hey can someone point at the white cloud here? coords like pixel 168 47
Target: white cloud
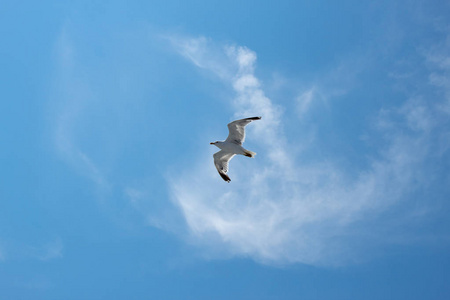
pixel 281 209
pixel 196 50
pixel 306 99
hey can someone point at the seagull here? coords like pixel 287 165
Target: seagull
pixel 232 146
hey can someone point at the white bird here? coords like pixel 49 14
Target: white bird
pixel 232 146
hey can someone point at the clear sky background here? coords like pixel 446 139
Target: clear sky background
pixel 107 184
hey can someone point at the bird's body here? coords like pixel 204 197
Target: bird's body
pixel 232 146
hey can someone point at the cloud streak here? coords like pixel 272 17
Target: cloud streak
pixel 47 251
pixel 282 209
pixel 71 97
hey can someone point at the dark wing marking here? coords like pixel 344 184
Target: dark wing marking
pixel 225 176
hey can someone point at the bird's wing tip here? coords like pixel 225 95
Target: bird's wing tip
pixel 225 176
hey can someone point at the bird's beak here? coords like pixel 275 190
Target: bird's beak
pixel 211 143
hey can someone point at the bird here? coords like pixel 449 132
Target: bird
pixel 232 146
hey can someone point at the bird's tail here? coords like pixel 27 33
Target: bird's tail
pixel 249 153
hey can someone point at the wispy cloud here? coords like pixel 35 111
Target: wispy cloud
pixel 306 99
pixel 70 99
pixel 198 52
pixel 282 209
pixel 36 283
pixel 44 251
pixel 48 251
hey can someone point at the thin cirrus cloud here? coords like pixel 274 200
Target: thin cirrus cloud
pixel 281 209
pixel 46 251
pixel 71 97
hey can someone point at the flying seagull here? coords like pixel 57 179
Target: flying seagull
pixel 232 146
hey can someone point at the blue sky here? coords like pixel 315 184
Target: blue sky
pixel 107 185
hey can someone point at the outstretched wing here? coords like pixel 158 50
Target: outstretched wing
pixel 237 131
pixel 221 160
